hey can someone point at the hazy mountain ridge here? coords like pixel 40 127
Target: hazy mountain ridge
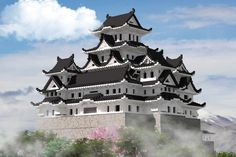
pixel 224 128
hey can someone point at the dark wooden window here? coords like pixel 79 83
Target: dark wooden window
pixel 76 111
pixel 129 36
pixel 72 95
pixel 107 91
pixel 153 91
pixel 168 109
pixel 71 111
pixel 137 108
pixel 53 112
pixel 152 74
pixel 117 108
pixel 145 92
pixel 102 58
pixel 174 110
pixel 120 36
pixel 79 94
pixel 144 75
pixel 185 96
pixel 90 110
pixel 126 90
pixel 119 90
pixel 133 91
pixel 129 108
pixel 108 108
pixel 115 37
pixel 114 91
pixel 137 38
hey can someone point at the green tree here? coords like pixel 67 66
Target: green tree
pixel 54 146
pixel 226 154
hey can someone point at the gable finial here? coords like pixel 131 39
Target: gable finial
pixel 107 16
pixel 133 10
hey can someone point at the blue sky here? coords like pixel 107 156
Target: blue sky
pixel 32 35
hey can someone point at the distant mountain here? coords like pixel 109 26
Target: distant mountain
pixel 224 128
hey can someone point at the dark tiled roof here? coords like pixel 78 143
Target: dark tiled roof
pixel 108 75
pixel 197 104
pixel 55 79
pixel 170 96
pixel 186 72
pixel 53 100
pixel 185 83
pixel 175 62
pixel 61 64
pixel 157 56
pixel 120 20
pixel 142 98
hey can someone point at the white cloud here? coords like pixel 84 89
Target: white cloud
pixel 46 20
pixel 201 16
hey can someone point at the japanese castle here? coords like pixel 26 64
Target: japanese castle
pixel 123 81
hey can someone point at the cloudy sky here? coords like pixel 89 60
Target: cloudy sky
pixel 34 32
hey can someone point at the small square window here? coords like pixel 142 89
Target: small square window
pixel 114 91
pixel 107 91
pixel 185 96
pixel 79 94
pixel 117 108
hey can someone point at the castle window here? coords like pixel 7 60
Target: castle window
pixel 76 111
pixel 168 109
pixel 51 93
pixel 108 108
pixel 129 108
pixel 79 94
pixel 174 110
pixel 92 64
pixel 133 91
pixel 55 93
pixel 144 75
pixel 127 56
pixel 133 37
pixel 114 61
pixel 165 89
pixel 47 113
pixel 185 112
pixel 169 89
pixel 145 92
pixel 129 36
pixel 53 112
pixel 190 112
pixel 137 108
pixel 72 95
pixel 132 57
pixel 71 111
pixel 119 90
pixel 107 91
pixel 153 91
pixel 102 58
pixel 90 110
pixel 117 108
pixel 114 91
pixel 137 38
pixel 120 36
pixel 152 74
pixel 126 90
pixel 185 96
pixel 115 37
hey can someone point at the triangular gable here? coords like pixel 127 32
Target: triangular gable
pixel 169 80
pixel 133 21
pixel 147 60
pixel 103 45
pixel 52 86
pixel 191 88
pixel 182 68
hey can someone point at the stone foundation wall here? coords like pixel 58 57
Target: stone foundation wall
pixel 74 127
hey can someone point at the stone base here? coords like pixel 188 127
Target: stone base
pixel 74 127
